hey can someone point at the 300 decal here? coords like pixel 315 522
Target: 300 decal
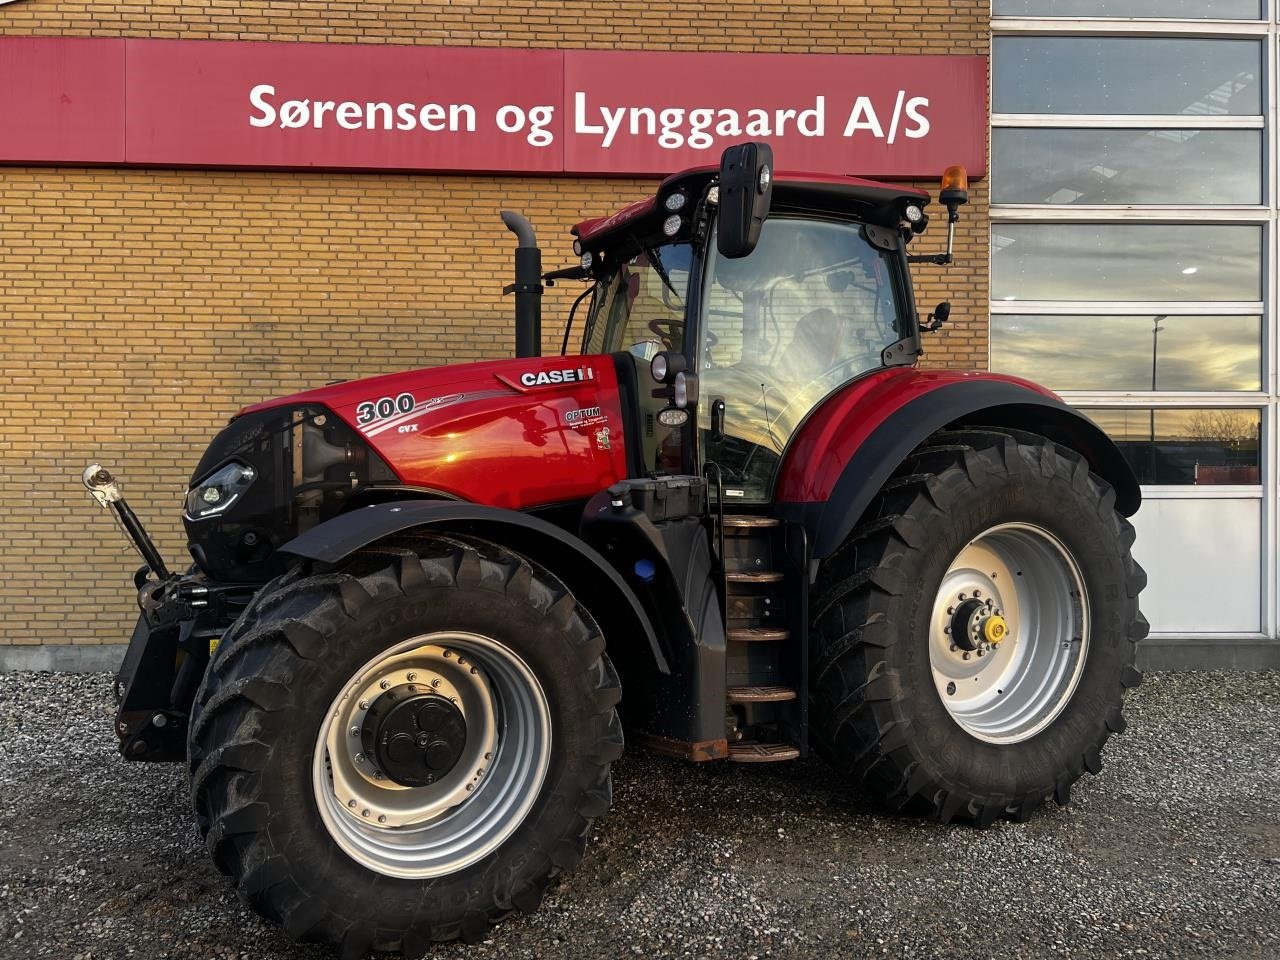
pixel 372 410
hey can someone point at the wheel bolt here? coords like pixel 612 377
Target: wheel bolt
pixel 947 631
pixel 951 688
pixel 382 819
pixel 365 813
pixel 351 804
pixel 364 704
pixel 977 593
pixel 359 758
pixel 951 611
pixel 411 677
pixel 435 682
pixel 966 654
pixel 962 596
pixel 448 654
pixel 355 731
pixel 488 756
pixel 471 786
pixel 954 648
pixel 383 684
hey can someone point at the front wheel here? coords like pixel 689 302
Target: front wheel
pixel 975 635
pixel 406 748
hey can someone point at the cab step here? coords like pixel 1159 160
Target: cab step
pixel 758 634
pixel 748 522
pixel 752 576
pixel 759 694
pixel 747 751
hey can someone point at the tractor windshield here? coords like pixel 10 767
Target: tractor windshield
pixel 639 308
pixel 809 309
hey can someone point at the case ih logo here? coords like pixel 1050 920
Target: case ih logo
pixel 547 378
pixel 456 109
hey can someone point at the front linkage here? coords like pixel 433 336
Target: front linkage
pixel 182 617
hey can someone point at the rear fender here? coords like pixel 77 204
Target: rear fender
pixel 590 578
pixel 829 499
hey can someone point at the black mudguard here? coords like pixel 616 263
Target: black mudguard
pixel 609 598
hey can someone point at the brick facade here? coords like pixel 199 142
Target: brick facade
pixel 140 308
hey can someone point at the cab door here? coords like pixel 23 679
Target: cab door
pixel 811 308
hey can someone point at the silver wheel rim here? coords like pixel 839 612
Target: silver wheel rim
pixel 1011 689
pixel 431 831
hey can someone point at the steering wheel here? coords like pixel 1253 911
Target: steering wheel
pixel 666 330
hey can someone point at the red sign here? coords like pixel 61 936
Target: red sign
pixel 61 100
pixel 467 109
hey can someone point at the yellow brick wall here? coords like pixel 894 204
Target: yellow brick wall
pixel 141 308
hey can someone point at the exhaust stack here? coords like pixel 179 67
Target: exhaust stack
pixel 528 285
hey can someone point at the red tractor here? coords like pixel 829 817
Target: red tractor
pixel 739 523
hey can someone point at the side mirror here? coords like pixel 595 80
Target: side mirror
pixel 939 316
pixel 746 189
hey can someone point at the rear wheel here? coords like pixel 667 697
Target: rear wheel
pixel 975 635
pixel 406 748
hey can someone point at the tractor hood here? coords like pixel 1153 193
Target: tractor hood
pixel 516 433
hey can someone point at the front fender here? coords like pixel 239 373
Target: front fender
pixel 587 574
pixel 851 445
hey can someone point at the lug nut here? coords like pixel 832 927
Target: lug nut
pixel 365 813
pixel 977 593
pixel 954 648
pixel 966 654
pixel 364 704
pixel 359 758
pixel 411 677
pixel 355 731
pixel 383 684
pixel 351 804
pixel 382 818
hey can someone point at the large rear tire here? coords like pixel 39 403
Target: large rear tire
pixel 974 637
pixel 406 748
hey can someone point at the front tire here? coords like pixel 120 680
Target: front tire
pixel 974 637
pixel 405 748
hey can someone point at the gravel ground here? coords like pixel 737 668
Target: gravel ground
pixel 1173 851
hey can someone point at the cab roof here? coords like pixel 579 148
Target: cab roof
pixel 823 193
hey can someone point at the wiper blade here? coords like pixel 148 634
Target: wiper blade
pixel 655 261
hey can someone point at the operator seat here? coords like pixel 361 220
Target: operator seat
pixel 818 342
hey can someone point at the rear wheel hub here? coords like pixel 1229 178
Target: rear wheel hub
pixel 415 737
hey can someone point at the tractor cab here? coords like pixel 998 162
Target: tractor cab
pixel 747 319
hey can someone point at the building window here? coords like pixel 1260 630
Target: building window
pixel 1132 264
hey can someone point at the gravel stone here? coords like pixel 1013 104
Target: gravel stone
pixel 1173 851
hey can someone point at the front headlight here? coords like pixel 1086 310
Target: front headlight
pixel 216 492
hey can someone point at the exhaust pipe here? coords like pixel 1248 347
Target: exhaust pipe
pixel 528 285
